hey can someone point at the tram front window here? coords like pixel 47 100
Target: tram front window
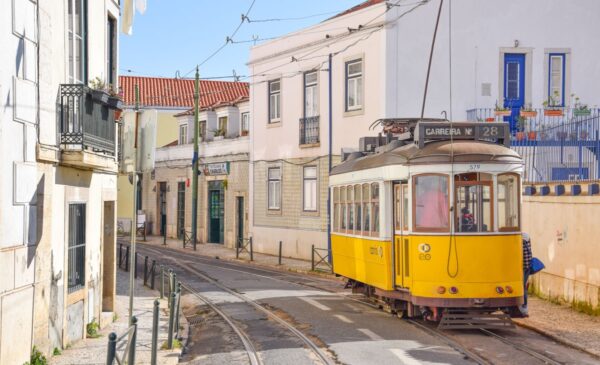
pixel 473 202
pixel 431 203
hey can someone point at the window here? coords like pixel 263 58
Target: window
pixel 111 51
pixel 358 208
pixel 202 131
pixel 473 202
pixel 556 79
pixel 77 32
pixel 274 101
pixel 311 95
pixel 336 209
pixel 310 189
pixel 343 215
pixel 354 85
pixel 183 133
pixel 508 202
pixel 245 123
pixel 430 196
pixel 222 131
pixel 366 208
pixel 350 208
pixel 76 273
pixel 274 188
pixel 375 209
pixel 401 212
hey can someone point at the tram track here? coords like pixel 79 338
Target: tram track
pixel 249 347
pixel 448 339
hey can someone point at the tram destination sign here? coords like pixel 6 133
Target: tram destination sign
pixel 442 131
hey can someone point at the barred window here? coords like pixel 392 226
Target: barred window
pixel 76 273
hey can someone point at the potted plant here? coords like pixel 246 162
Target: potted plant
pixel 580 109
pixel 521 124
pixel 552 107
pixel 500 111
pixel 219 134
pixel 244 133
pixel 527 112
pixel 98 90
pixel 114 99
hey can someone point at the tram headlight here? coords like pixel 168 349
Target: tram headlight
pixel 441 290
pixel 509 289
pixel 453 290
pixel 499 290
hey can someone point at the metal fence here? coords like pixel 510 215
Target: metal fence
pixel 86 122
pixel 309 130
pixel 556 145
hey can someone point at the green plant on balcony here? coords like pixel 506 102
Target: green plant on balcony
pixel 501 111
pixel 104 93
pixel 579 109
pixel 552 106
pixel 527 111
pixel 219 132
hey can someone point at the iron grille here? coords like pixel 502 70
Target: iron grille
pixel 309 130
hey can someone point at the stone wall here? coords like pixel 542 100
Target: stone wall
pixel 564 232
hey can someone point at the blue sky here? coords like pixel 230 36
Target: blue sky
pixel 175 35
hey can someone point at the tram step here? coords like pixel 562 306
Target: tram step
pixel 472 319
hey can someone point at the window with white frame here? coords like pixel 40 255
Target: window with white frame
pixel 274 101
pixel 309 191
pixel 183 133
pixel 556 79
pixel 274 188
pixel 111 51
pixel 222 130
pixel 354 85
pixel 77 33
pixel 245 123
pixel 311 94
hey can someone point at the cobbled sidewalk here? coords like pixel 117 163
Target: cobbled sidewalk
pixel 93 350
pixel 559 322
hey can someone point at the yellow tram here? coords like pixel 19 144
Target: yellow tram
pixel 431 220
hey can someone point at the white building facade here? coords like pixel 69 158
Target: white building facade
pixel 503 53
pixel 58 186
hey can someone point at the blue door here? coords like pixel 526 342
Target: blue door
pixel 514 86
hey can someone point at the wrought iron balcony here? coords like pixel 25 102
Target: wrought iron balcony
pixel 86 120
pixel 309 130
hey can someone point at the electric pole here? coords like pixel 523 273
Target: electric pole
pixel 195 161
pixel 135 203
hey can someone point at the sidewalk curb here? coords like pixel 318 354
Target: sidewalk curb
pixel 556 338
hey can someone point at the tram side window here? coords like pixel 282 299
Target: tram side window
pixel 343 215
pixel 366 202
pixel 508 202
pixel 358 208
pixel 350 196
pixel 405 207
pixel 473 202
pixel 430 195
pixel 336 209
pixel 375 208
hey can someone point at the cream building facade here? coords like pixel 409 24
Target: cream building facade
pixel 58 187
pixel 486 53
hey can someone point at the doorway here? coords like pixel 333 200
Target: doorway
pixel 514 87
pixel 180 208
pixel 401 239
pixel 162 208
pixel 240 219
pixel 108 254
pixel 216 211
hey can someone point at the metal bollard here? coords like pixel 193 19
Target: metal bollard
pixel 312 258
pixel 165 239
pixel 131 358
pixel 162 282
pixel 171 324
pixel 154 347
pixel 145 270
pixel 280 243
pixel 153 271
pixel 177 309
pixel 112 348
pixel 251 250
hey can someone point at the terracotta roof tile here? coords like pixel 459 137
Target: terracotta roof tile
pixel 179 93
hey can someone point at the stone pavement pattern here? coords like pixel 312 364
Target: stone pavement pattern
pixel 93 350
pixel 560 322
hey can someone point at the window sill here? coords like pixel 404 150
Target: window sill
pixel 310 145
pixel 352 113
pixel 76 296
pixel 274 212
pixel 274 124
pixel 310 213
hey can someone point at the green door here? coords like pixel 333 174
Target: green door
pixel 216 212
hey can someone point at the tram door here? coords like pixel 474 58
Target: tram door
pixel 401 211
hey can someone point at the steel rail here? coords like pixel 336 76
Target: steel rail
pixel 248 345
pixel 522 348
pixel 311 345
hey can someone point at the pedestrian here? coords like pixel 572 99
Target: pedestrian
pixel 527 256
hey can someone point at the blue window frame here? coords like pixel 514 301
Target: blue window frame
pixel 556 79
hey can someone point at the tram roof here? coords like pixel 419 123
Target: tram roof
pixel 442 152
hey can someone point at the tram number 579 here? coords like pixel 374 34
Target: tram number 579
pixel 474 167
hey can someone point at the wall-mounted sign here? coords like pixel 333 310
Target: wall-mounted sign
pixel 435 131
pixel 219 168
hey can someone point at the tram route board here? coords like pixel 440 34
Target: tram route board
pixel 443 131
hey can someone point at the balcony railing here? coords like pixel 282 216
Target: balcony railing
pixel 86 122
pixel 309 130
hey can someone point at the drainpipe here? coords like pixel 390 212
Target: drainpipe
pixel 329 163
